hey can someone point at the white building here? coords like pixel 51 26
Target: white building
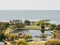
pixel 15 21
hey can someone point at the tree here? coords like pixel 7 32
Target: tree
pixel 42 28
pixel 3 25
pixel 28 37
pixel 2 36
pixel 27 22
pixel 18 26
pixel 52 26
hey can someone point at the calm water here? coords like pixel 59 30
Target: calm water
pixel 34 33
pixel 54 15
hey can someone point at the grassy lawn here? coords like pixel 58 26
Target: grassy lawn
pixel 36 43
pixel 33 27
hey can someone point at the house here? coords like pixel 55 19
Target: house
pixel 15 21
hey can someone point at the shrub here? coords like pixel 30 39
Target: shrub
pixel 43 36
pixel 57 27
pixel 21 42
pixel 2 36
pixel 11 36
pixel 28 36
pixel 53 42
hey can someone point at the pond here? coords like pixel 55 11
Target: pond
pixel 34 33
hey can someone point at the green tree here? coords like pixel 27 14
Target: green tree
pixel 42 28
pixel 52 26
pixel 2 36
pixel 27 22
pixel 28 36
pixel 18 26
pixel 3 25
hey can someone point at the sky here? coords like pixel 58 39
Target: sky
pixel 29 4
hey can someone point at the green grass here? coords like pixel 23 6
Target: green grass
pixel 36 43
pixel 33 27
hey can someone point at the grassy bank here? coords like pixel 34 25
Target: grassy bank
pixel 36 43
pixel 33 27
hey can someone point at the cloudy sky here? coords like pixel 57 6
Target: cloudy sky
pixel 29 4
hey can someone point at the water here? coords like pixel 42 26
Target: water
pixel 34 33
pixel 54 15
pixel 1 43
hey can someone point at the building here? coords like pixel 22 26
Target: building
pixel 15 21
